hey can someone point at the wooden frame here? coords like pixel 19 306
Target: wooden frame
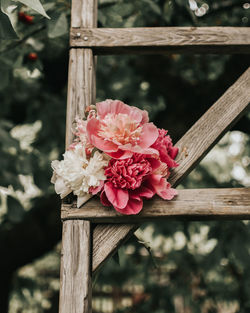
pixel 189 204
pixel 84 249
pixel 162 40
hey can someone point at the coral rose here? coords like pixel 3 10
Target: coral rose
pixel 121 130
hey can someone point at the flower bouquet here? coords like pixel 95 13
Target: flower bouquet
pixel 118 155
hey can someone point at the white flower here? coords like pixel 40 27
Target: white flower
pixel 75 173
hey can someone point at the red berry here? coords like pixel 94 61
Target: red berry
pixel 32 56
pixel 25 18
pixel 29 19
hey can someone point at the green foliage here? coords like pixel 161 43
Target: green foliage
pixel 6 29
pixel 34 5
pixel 192 265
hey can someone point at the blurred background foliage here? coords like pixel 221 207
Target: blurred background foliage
pixel 177 267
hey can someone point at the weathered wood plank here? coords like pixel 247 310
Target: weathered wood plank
pixel 81 75
pixel 81 87
pixel 189 204
pixel 194 145
pixel 209 129
pixel 75 291
pixel 84 13
pixel 113 236
pixel 162 39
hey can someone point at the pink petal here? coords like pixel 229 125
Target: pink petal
pixel 92 128
pixel 116 107
pixel 167 159
pixel 103 145
pixel 95 190
pixel 138 149
pixel 118 197
pixel 120 154
pixel 145 118
pixel 149 135
pixel 169 194
pixel 155 163
pixel 136 114
pixel 104 199
pixel 134 206
pixel 144 192
pixel 162 187
pixel 173 152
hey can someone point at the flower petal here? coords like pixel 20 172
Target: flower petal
pixel 117 106
pixel 145 118
pixel 95 190
pixel 162 187
pixel 134 206
pixel 155 163
pixel 137 149
pixel 60 187
pixel 144 192
pixel 173 152
pixel 166 158
pixel 81 200
pixel 92 128
pixel 118 197
pixel 149 135
pixel 120 154
pixel 104 199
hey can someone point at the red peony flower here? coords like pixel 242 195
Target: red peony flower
pixel 167 151
pixel 130 180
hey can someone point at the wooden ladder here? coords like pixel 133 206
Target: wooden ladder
pixel 84 247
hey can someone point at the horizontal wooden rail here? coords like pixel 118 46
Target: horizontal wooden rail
pixel 189 204
pixel 163 39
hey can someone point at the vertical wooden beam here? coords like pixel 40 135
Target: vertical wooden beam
pixel 81 77
pixel 76 291
pixel 75 295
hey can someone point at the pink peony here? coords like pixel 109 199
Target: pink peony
pixel 165 148
pixel 130 180
pixel 121 130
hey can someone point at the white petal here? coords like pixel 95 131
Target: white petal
pixel 54 164
pixel 53 178
pixel 61 188
pixel 83 199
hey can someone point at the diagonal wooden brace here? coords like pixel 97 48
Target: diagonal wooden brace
pixel 193 146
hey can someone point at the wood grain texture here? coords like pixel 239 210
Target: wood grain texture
pixel 81 74
pixel 84 13
pixel 162 39
pixel 76 259
pixel 81 87
pixel 194 145
pixel 75 291
pixel 113 236
pixel 209 129
pixel 189 204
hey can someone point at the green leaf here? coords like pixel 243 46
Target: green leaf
pixel 6 29
pixel 58 25
pixel 35 5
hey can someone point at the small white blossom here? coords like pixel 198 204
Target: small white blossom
pixel 75 173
